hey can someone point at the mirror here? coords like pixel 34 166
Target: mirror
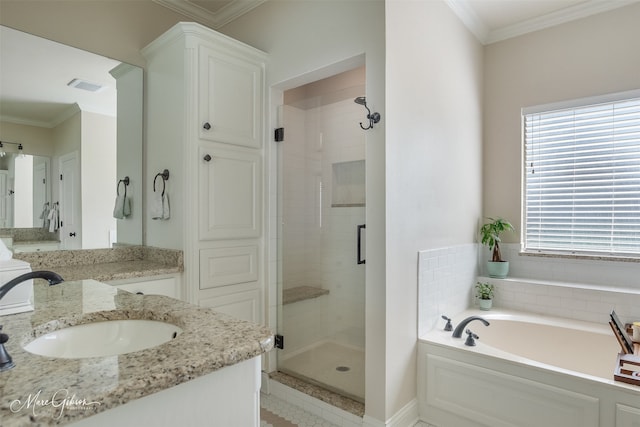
pixel 70 131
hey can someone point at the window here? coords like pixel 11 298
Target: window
pixel 582 177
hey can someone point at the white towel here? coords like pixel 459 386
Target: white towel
pixel 160 208
pixel 156 206
pixel 118 210
pixel 166 209
pixel 54 222
pixel 122 207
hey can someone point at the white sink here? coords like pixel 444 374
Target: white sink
pixel 100 339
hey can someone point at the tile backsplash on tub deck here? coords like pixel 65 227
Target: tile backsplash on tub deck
pixel 446 277
pixel 577 301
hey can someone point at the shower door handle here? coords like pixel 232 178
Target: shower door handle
pixel 360 228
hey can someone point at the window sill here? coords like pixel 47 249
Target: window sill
pixel 564 255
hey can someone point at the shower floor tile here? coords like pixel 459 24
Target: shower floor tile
pixel 330 364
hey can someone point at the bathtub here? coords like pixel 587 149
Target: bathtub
pixel 525 370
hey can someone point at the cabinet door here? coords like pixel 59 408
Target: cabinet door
pixel 243 305
pixel 230 193
pixel 230 98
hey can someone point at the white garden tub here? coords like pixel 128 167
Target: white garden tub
pixel 525 370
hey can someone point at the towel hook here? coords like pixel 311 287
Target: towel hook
pixel 126 183
pixel 165 176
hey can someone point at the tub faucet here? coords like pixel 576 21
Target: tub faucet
pixel 457 333
pixel 53 278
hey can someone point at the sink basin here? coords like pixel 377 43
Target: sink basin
pixel 100 339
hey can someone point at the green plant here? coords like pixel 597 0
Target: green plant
pixel 485 290
pixel 490 233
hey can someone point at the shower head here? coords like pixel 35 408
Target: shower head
pixel 361 100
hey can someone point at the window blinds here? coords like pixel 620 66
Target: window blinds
pixel 582 179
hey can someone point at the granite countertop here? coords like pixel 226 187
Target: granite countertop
pixel 209 341
pixel 106 264
pixel 115 270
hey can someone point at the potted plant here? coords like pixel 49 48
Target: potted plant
pixel 490 233
pixel 485 295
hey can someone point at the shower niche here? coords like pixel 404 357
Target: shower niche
pixel 348 184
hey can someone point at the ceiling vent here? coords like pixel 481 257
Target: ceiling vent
pixel 85 85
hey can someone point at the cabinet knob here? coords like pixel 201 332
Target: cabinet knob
pixel 73 234
pixel 206 126
pixel 207 158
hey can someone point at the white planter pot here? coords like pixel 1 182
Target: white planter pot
pixel 485 304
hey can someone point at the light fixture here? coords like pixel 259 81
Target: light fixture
pixel 373 117
pixel 4 153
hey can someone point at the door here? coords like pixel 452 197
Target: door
pixel 69 205
pixel 321 308
pixel 6 205
pixel 40 196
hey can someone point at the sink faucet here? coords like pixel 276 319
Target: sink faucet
pixel 53 278
pixel 457 333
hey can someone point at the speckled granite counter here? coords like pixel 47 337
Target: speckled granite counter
pixel 210 341
pixel 107 264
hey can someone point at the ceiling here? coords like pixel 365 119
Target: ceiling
pixel 34 73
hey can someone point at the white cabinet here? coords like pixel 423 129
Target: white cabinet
pixel 230 193
pixel 627 416
pixel 230 98
pixel 205 107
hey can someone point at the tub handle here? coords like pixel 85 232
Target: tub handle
pixel 448 327
pixel 471 337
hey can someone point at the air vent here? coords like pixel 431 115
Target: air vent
pixel 85 85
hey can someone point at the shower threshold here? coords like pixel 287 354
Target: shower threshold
pixel 320 392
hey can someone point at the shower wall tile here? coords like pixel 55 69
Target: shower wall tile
pixel 446 277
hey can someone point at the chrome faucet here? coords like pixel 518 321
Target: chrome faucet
pixel 457 333
pixel 53 278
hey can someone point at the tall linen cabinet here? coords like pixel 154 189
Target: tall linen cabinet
pixel 205 106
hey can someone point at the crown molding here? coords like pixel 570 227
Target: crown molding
pixel 214 20
pixel 468 17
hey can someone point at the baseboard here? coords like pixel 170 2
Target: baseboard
pixel 405 417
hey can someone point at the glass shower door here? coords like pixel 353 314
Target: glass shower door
pixel 322 216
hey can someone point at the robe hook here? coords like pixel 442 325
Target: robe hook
pixel 372 117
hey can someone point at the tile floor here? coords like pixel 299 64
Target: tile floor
pixel 275 412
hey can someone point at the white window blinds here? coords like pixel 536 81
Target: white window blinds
pixel 582 179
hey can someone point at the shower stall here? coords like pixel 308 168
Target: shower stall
pixel 322 231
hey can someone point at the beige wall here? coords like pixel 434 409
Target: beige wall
pixel 592 56
pixel 35 140
pixel 116 29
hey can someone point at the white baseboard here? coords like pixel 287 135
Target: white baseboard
pixel 405 417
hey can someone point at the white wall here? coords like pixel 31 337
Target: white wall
pixel 129 81
pixel 303 39
pixel 587 57
pixel 97 179
pixel 433 166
